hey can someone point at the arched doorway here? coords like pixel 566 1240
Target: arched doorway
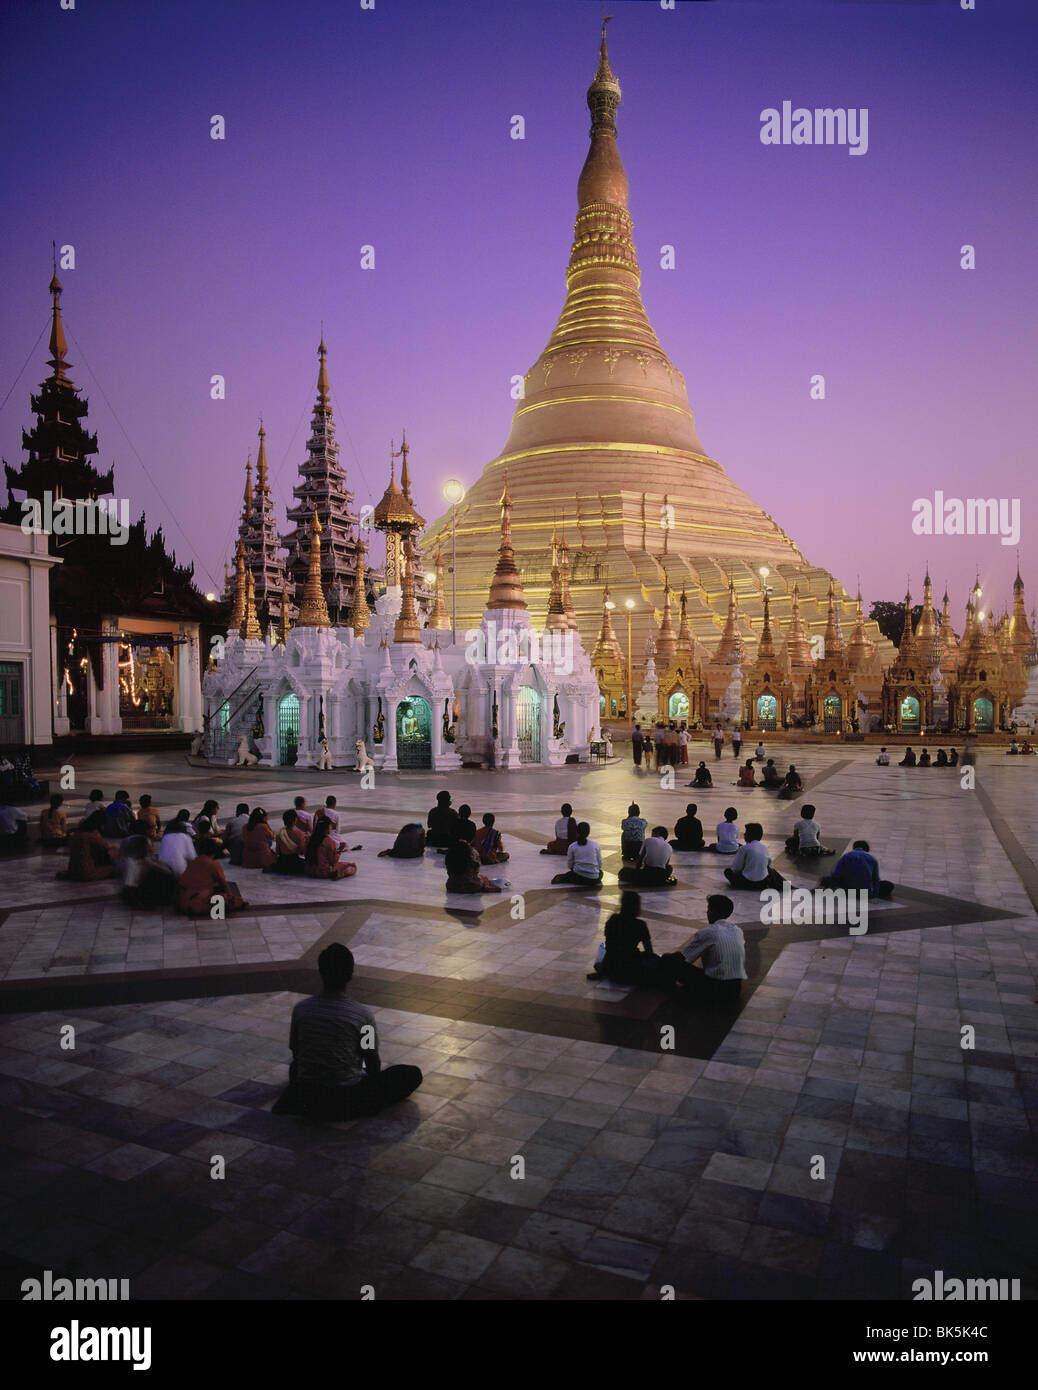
pixel 677 708
pixel 528 724
pixel 767 712
pixel 983 715
pixel 288 730
pixel 910 713
pixel 413 733
pixel 832 714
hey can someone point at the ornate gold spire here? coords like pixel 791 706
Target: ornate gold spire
pixel 58 346
pixel 730 649
pixel 567 598
pixel 246 502
pixel 798 647
pixel 407 629
pixel 506 590
pixel 285 629
pixel 833 631
pixel 603 179
pixel 324 406
pixel 261 467
pixel 926 628
pixel 237 621
pixel 360 614
pixel 607 649
pixel 313 611
pixel 250 628
pixel 906 647
pixel 405 476
pixel 859 648
pixel 1019 628
pixel 556 620
pixel 684 654
pixel 439 618
pixel 766 645
pixel 666 637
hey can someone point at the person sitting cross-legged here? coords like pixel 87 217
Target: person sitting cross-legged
pixel 688 832
pixel 771 778
pixel 258 850
pixel 90 856
pixel 792 784
pixel 747 775
pixel 924 758
pixel 442 823
pixel 146 882
pixel 884 758
pixel 304 820
pixel 632 832
pixel 722 949
pixel 654 869
pixel 858 869
pixel 703 776
pixel 176 848
pixel 290 843
pixel 336 1071
pixel 727 834
pixel 118 817
pixel 462 864
pixel 234 833
pixel 942 758
pixel 584 861
pixel 909 759
pixel 751 868
pixel 804 842
pixel 953 758
pixel 409 843
pixel 628 958
pixel 54 824
pixel 322 853
pixel 204 880
pixel 565 832
pixel 488 843
pixel 149 821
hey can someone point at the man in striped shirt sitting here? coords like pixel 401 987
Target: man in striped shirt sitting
pixel 336 1072
pixel 723 950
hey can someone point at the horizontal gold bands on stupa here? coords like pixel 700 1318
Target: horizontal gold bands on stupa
pixel 592 261
pixel 597 397
pixel 599 446
pixel 573 323
pixel 597 521
pixel 598 342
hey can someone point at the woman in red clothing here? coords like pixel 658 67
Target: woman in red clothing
pixel 488 843
pixel 258 842
pixel 204 879
pixel 322 854
pixel 291 846
pixel 91 857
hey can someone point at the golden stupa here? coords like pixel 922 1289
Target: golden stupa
pixel 603 448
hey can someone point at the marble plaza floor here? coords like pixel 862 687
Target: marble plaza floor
pixel 694 1165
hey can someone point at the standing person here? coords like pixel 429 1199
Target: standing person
pixel 203 879
pixel 859 869
pixel 322 854
pixel 53 823
pixel 727 834
pixel 636 745
pixel 654 868
pixel 672 745
pixel 584 860
pixel 718 737
pixel 722 949
pixel 683 737
pixel 258 842
pixel 565 832
pixel 751 868
pixel 629 958
pixel 488 843
pixel 648 748
pixel 234 833
pixel 658 735
pixel 736 740
pixel 632 832
pixel 688 832
pixel 336 1071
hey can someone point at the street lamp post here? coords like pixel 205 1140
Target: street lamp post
pixel 629 605
pixel 454 491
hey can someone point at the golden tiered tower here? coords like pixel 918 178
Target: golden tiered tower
pixel 605 406
pixel 313 610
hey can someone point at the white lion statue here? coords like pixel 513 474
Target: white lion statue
pixel 363 761
pixel 245 758
pixel 324 762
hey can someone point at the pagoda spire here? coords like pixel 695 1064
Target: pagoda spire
pixel 58 346
pixel 405 476
pixel 262 488
pixel 833 631
pixel 323 406
pixel 407 628
pixel 926 628
pixel 905 647
pixel 684 655
pixel 730 650
pixel 556 620
pixel 766 645
pixel 506 589
pixel 237 621
pixel 1020 634
pixel 567 598
pixel 439 618
pixel 860 648
pixel 360 614
pixel 666 637
pixel 246 502
pixel 798 646
pixel 313 610
pixel 607 648
pixel 285 628
pixel 250 628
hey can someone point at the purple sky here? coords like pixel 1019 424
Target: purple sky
pixel 391 127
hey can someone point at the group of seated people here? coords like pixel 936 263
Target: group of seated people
pixel 942 759
pixel 772 780
pixel 1022 748
pixel 466 849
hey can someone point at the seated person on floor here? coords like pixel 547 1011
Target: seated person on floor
pixel 583 860
pixel 466 826
pixel 290 843
pixel 146 883
pixel 442 822
pixel 727 834
pixel 462 864
pixel 909 759
pixel 54 823
pixel 118 817
pixel 924 758
pixel 859 869
pixel 149 822
pixel 304 820
pixel 409 843
pixel 234 833
pixel 330 813
pixel 181 824
pixel 654 868
pixel 628 957
pixel 747 775
pixel 760 752
pixel 953 758
pixel 702 777
pixel 1013 748
pixel 176 848
pixel 688 833
pixel 322 854
pixel 258 842
pixel 771 777
pixel 632 832
pixel 721 947
pixel 336 1071
pixel 884 758
pixel 204 879
pixel 206 824
pixel 90 855
pixel 565 832
pixel 804 841
pixel 751 868
pixel 792 784
pixel 488 843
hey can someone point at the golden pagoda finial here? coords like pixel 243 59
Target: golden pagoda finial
pixel 237 620
pixel 58 346
pixel 405 476
pixel 250 628
pixel 360 614
pixel 261 465
pixel 313 610
pixel 439 617
pixel 407 628
pixel 567 598
pixel 323 403
pixel 556 620
pixel 285 629
pixel 506 589
pixel 246 503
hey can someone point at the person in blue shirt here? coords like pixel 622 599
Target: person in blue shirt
pixel 859 869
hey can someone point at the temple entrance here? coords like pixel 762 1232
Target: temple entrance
pixel 910 714
pixel 413 734
pixel 12 703
pixel 288 731
pixel 767 712
pixel 832 714
pixel 677 707
pixel 528 724
pixel 983 715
